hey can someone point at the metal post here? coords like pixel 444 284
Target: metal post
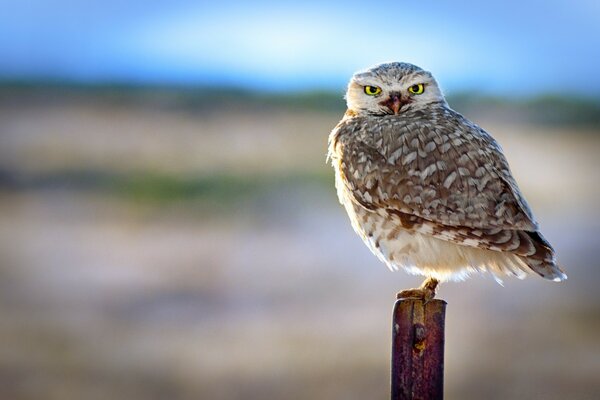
pixel 418 350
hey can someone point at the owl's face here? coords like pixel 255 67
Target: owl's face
pixel 391 89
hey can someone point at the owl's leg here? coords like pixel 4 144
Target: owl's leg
pixel 426 291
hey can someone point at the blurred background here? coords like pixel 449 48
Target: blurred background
pixel 169 228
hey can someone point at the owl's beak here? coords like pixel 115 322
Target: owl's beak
pixel 394 103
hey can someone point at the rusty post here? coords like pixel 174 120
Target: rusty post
pixel 418 350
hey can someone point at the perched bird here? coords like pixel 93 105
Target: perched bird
pixel 428 190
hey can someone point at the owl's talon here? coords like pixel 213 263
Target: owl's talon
pixel 417 294
pixel 426 292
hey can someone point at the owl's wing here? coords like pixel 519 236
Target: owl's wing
pixel 448 179
pixel 453 173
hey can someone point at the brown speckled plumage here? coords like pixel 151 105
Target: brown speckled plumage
pixel 428 190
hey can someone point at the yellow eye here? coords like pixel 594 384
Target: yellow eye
pixel 372 90
pixel 417 89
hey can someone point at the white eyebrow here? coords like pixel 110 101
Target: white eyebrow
pixel 363 78
pixel 420 74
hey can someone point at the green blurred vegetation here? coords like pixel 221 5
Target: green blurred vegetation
pixel 223 190
pixel 220 189
pixel 185 98
pixel 546 109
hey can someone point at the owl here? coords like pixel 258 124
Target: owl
pixel 427 190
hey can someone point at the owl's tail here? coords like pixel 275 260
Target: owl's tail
pixel 543 261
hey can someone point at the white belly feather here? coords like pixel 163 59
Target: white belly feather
pixel 422 254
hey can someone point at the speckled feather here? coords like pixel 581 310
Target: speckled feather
pixel 431 192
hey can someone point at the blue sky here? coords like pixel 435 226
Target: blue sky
pixel 520 47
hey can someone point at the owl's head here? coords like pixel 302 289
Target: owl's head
pixel 392 88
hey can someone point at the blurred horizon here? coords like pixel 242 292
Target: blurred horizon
pixel 546 108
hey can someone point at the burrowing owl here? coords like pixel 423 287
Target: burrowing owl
pixel 428 190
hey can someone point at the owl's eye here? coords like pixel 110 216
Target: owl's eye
pixel 417 89
pixel 372 90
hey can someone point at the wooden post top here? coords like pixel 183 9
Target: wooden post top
pixel 418 349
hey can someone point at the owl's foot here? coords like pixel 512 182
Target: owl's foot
pixel 425 292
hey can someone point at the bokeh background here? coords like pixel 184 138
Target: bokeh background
pixel 169 227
